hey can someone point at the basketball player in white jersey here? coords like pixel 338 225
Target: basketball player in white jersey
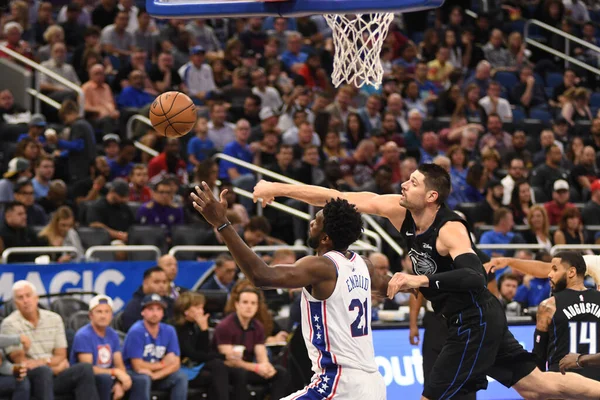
pixel 336 297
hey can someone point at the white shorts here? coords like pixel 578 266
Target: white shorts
pixel 351 384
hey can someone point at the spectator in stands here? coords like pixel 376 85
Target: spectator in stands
pixel 74 30
pixel 242 328
pixel 204 35
pixel 110 144
pixel 440 68
pixel 138 184
pixel 528 93
pixel 429 148
pixel 56 197
pixel 544 176
pixel 91 45
pixel 519 150
pixel 539 227
pixel 13 32
pixel 381 265
pixel 58 64
pixel 585 173
pixel 11 114
pixel 14 232
pixel 81 132
pixel 191 324
pixel 268 123
pixel 235 94
pixel 496 138
pixel 60 231
pixel 250 110
pixel 154 282
pixel 122 166
pixel 44 171
pixel 197 75
pixel 53 34
pixel 99 100
pixel 111 212
pixel 168 263
pixel 546 140
pixel 134 95
pixel 507 286
pixel 494 104
pixel 169 162
pixel 591 211
pixel 570 228
pixel 104 14
pixel 495 53
pixel 269 96
pixel 93 186
pixel 145 35
pixel 164 76
pixel 570 80
pixel 239 176
pixel 43 22
pixel 341 108
pixel 534 290
pixel 161 210
pixel 224 275
pixel 115 38
pixel 468 141
pixel 492 202
pixel 200 147
pixel 97 343
pixel 521 201
pixel 46 359
pixel 576 107
pixel 220 132
pixel 24 194
pixel 559 202
pixel 502 232
pixel 358 168
pixel 257 231
pixel 18 168
pixel 516 172
pixel 482 79
pixel 28 149
pixel 370 114
pixel 151 351
pixel 390 157
pixel 412 136
pixel 458 175
pixel 13 378
pixel 293 57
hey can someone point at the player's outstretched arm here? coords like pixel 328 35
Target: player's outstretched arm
pixel 578 361
pixel 306 271
pixel 538 269
pixel 387 206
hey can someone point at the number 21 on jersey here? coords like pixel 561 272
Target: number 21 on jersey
pixel 585 336
pixel 360 326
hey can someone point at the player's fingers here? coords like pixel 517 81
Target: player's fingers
pixel 222 195
pixel 197 206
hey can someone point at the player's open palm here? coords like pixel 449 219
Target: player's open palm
pixel 206 203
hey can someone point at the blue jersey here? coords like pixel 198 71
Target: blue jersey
pixel 139 343
pixel 120 171
pixel 101 348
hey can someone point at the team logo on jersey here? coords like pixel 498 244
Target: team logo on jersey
pixel 104 355
pixel 422 263
pixel 580 297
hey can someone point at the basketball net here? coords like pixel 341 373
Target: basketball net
pixel 358 40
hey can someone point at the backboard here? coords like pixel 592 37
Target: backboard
pixel 285 8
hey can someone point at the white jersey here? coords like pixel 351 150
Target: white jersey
pixel 337 331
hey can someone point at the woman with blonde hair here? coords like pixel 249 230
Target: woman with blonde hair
pixel 273 332
pixel 53 34
pixel 204 366
pixel 539 227
pixel 60 232
pixel 577 107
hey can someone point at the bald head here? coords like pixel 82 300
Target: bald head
pixel 380 262
pixel 168 263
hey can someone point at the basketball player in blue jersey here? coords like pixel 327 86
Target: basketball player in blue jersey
pixel 450 275
pixel 336 297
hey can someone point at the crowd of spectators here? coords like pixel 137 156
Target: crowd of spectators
pixel 517 130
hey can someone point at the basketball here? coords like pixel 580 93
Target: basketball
pixel 173 114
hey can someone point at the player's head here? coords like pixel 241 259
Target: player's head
pixel 429 184
pixel 567 267
pixel 335 227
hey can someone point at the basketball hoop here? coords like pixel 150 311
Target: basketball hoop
pixel 357 40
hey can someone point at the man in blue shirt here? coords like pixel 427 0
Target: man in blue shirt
pixel 134 95
pixel 151 351
pixel 293 57
pixel 122 166
pixel 503 224
pixel 98 344
pixel 160 210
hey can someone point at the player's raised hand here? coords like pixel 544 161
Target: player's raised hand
pixel 570 361
pixel 205 202
pixel 264 192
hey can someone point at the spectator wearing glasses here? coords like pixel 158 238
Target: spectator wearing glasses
pixel 24 194
pixel 160 210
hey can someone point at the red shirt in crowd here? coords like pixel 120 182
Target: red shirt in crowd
pixel 555 211
pixel 158 166
pixel 230 331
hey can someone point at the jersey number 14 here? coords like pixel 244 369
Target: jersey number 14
pixel 359 327
pixel 585 336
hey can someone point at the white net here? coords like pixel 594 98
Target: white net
pixel 357 40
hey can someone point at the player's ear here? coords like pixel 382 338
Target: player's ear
pixel 325 239
pixel 432 196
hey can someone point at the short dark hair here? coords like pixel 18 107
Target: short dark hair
pixel 284 146
pixel 573 259
pixel 12 205
pixel 342 223
pixel 152 270
pixel 248 290
pixel 257 100
pixel 222 259
pixel 126 142
pixel 259 223
pixel 438 179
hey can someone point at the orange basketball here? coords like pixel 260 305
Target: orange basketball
pixel 173 114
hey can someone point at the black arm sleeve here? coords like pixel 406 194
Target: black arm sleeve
pixel 468 275
pixel 540 349
pixel 484 258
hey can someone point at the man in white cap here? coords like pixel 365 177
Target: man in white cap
pixel 560 201
pixel 98 344
pixel 17 168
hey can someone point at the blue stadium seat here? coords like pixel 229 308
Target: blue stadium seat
pixel 517 26
pixel 542 115
pixel 549 92
pixel 553 79
pixel 417 37
pixel 595 100
pixel 506 79
pixel 518 114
